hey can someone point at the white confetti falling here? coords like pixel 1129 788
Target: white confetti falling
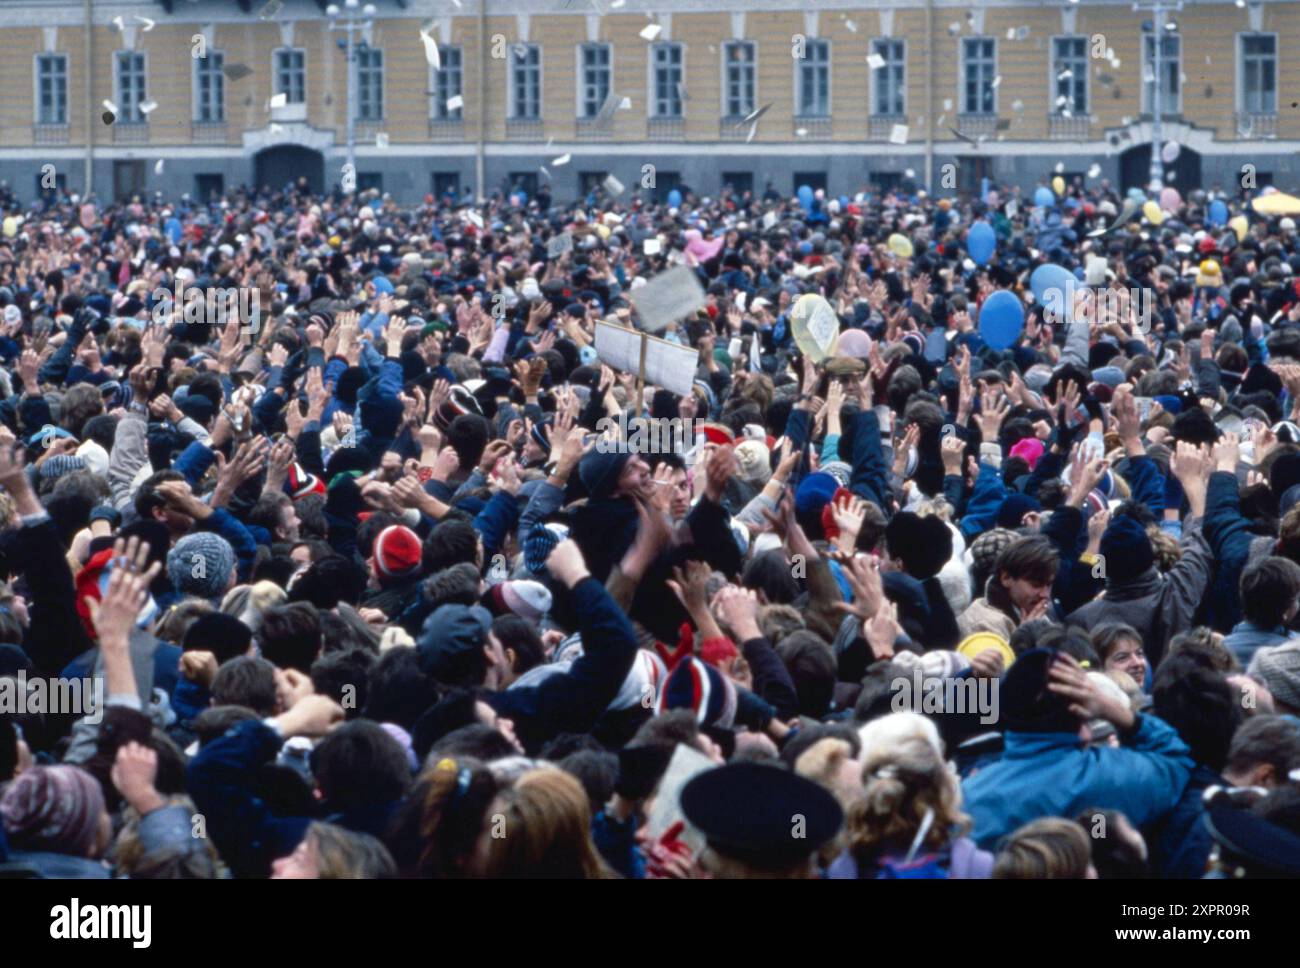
pixel 996 82
pixel 148 24
pixel 853 27
pixel 875 61
pixel 561 161
pixel 158 166
pixel 1060 167
pixel 651 31
pixel 109 106
pixel 1094 171
pixel 278 101
pixel 898 134
pixel 148 107
pixel 455 103
pixel 431 52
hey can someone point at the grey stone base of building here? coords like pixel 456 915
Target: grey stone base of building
pixel 408 177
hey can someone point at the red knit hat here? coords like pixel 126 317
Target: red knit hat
pixel 397 552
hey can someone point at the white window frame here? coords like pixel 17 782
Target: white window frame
pixel 437 103
pixel 874 81
pixel 118 97
pixel 1241 69
pixel 36 86
pixel 512 65
pixel 725 48
pixel 383 92
pixel 580 72
pixel 1055 68
pixel 275 73
pixel 1148 61
pixel 196 102
pixel 652 85
pixel 799 64
pixel 961 77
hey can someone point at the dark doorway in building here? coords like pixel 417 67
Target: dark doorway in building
pixel 128 179
pixel 1135 169
pixel 282 165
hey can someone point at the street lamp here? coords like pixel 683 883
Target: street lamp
pixel 1158 29
pixel 352 22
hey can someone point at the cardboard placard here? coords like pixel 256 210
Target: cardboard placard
pixel 668 297
pixel 667 365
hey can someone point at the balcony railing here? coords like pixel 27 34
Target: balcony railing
pixel 524 129
pixel 665 129
pixel 881 126
pixel 208 132
pixel 593 129
pixel 49 134
pixel 977 125
pixel 812 128
pixel 368 129
pixel 446 129
pixel 733 128
pixel 131 133
pixel 1074 128
pixel 1253 124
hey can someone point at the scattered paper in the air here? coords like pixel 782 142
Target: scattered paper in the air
pixel 278 101
pixel 898 135
pixel 381 140
pixel 875 61
pixel 668 297
pixel 431 53
pixel 613 185
pixel 455 102
pixel 270 10
pixel 148 24
pixel 561 161
pixel 148 107
pixel 1094 171
pixel 109 106
pixel 651 31
pixel 158 166
pixel 769 219
pixel 650 246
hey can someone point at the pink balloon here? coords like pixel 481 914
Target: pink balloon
pixel 1170 199
pixel 87 216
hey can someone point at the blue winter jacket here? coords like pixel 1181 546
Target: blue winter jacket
pixel 1054 775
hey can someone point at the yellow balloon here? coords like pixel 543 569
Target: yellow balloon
pixel 1238 225
pixel 1058 185
pixel 602 231
pixel 1152 212
pixel 901 246
pixel 10 227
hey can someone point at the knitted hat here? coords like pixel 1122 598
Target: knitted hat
pixel 396 552
pixel 1127 550
pixel 458 403
pixel 814 493
pixel 1279 669
pixel 300 482
pixel 699 687
pixel 61 464
pixel 599 471
pixel 530 600
pixel 838 469
pixel 55 808
pixel 754 461
pixel 539 544
pixel 1014 508
pixel 1030 449
pixel 200 564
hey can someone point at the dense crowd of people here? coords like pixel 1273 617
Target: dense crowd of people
pixel 367 586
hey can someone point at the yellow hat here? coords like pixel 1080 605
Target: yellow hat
pixel 978 642
pixel 335 241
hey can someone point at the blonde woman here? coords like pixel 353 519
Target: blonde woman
pixel 908 821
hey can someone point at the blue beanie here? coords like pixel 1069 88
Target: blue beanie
pixel 539 544
pixel 1127 551
pixel 200 564
pixel 1013 510
pixel 599 471
pixel 814 493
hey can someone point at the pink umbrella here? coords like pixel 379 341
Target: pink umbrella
pixel 699 248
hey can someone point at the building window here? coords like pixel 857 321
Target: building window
pixel 291 75
pixel 815 80
pixel 370 84
pixel 816 180
pixel 665 183
pixel 526 82
pixel 447 84
pixel 130 86
pixel 667 80
pixel 739 182
pixel 1171 88
pixel 370 181
pixel 52 89
pixel 523 181
pixel 446 184
pixel 889 77
pixel 738 67
pixel 594 77
pixel 208 187
pixel 1070 75
pixel 979 68
pixel 210 87
pixel 1259 73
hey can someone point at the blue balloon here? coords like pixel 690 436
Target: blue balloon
pixel 1218 214
pixel 173 229
pixel 674 199
pixel 844 201
pixel 981 242
pixel 1137 195
pixel 1044 197
pixel 805 194
pixel 1048 277
pixel 1002 320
